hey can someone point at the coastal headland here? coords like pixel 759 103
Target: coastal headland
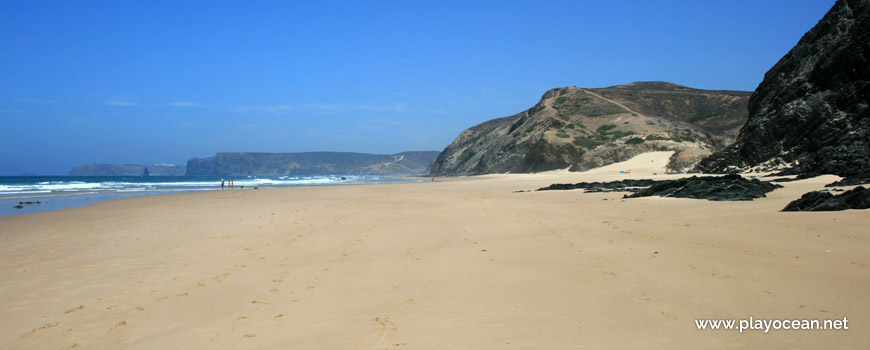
pixel 464 262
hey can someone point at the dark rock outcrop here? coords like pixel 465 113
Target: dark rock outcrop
pixel 311 163
pixel 725 188
pixel 810 113
pixel 581 129
pixel 856 198
pixel 862 178
pixel 129 170
pixel 629 185
pixel 715 188
pixel 796 178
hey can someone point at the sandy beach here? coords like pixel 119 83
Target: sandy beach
pixel 460 263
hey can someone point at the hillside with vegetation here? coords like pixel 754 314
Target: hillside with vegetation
pixel 579 129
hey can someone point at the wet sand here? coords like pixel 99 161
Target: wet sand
pixel 460 263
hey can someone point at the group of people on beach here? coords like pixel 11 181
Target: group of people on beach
pixel 227 183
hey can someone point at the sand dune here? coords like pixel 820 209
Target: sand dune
pixel 461 263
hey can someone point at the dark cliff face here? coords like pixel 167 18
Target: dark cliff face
pixel 810 113
pixel 580 129
pixel 311 163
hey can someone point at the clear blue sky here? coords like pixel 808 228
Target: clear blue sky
pixel 143 82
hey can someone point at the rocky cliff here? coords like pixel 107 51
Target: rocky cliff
pixel 810 113
pixel 128 170
pixel 311 163
pixel 581 128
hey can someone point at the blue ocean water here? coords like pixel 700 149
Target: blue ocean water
pixel 29 194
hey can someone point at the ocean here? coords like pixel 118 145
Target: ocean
pixel 30 194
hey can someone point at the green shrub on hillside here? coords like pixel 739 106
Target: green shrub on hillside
pixel 634 141
pixel 656 138
pixel 604 128
pixel 620 134
pixel 604 132
pixel 531 128
pixel 585 142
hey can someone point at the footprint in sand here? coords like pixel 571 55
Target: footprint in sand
pixel 117 325
pixel 386 324
pixel 75 309
pixel 44 327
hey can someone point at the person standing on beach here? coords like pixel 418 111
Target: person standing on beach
pixel 222 183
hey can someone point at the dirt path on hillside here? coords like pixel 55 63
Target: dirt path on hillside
pixel 613 102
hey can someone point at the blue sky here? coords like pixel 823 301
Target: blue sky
pixel 143 82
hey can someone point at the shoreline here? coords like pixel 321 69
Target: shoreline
pixel 447 264
pixel 83 198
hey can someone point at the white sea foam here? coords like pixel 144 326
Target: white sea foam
pixel 63 192
pixel 119 185
pixel 23 192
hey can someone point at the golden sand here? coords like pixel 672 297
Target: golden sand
pixel 460 263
